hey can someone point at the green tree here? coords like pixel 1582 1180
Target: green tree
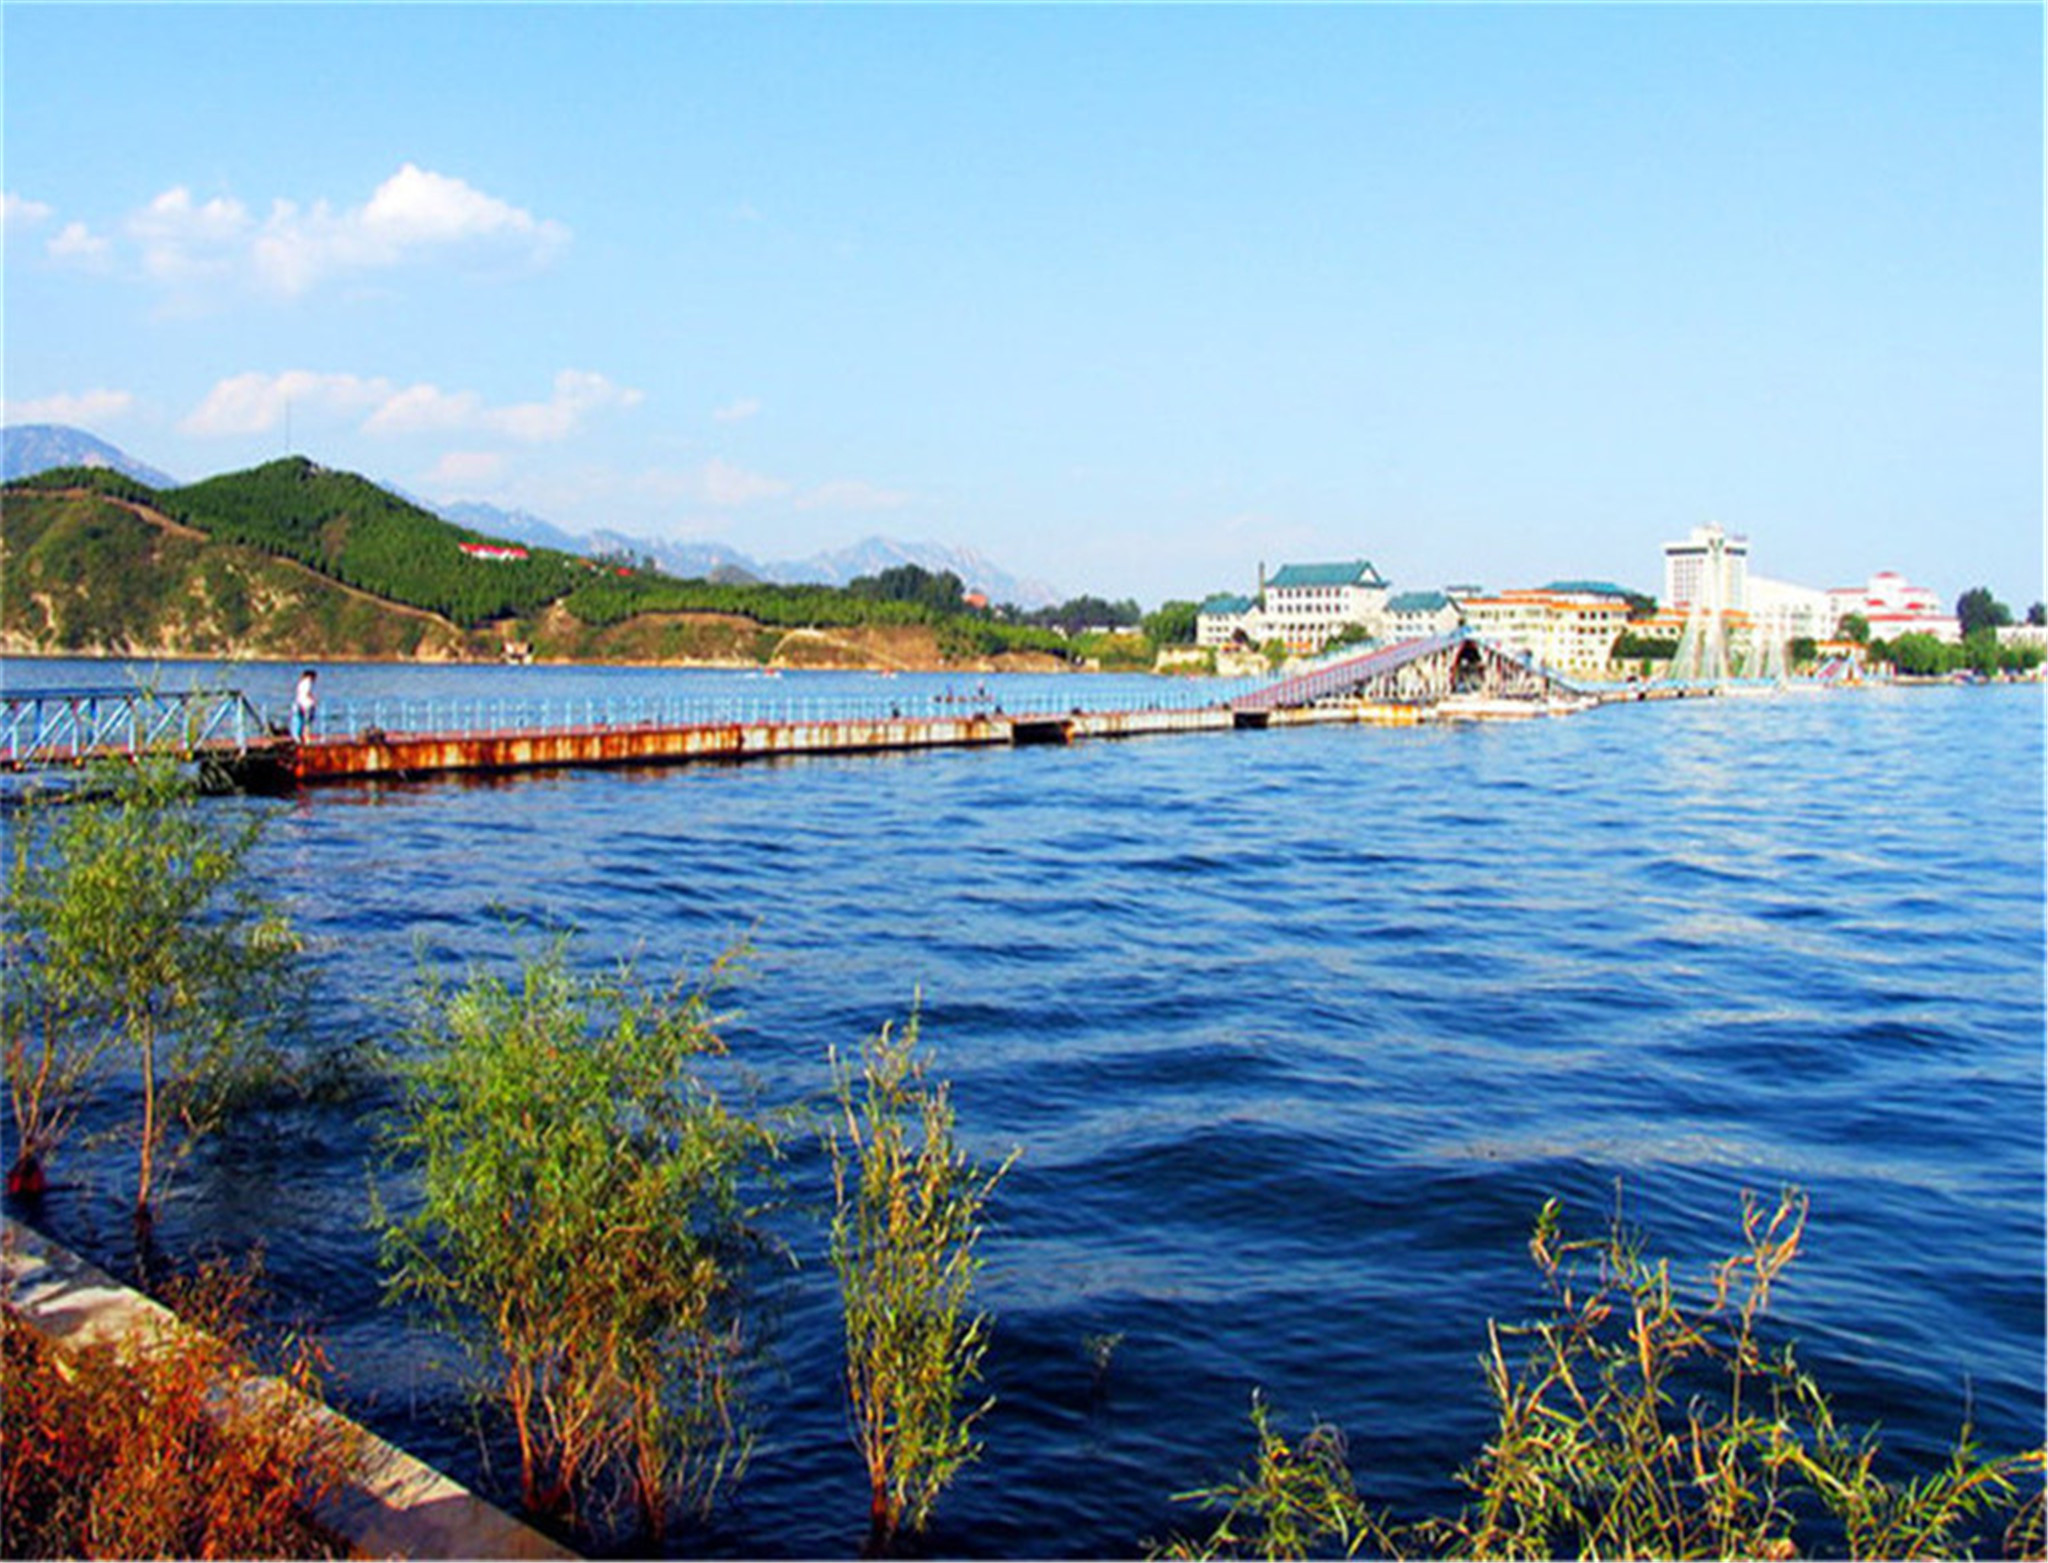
pixel 2037 614
pixel 1977 609
pixel 136 929
pixel 1173 624
pixel 52 1053
pixel 908 1216
pixel 1088 612
pixel 580 1225
pixel 1979 651
pixel 1856 627
pixel 1918 654
pixel 1349 635
pixel 942 592
pixel 1630 646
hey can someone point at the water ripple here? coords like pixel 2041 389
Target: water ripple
pixel 1295 1031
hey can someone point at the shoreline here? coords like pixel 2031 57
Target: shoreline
pixel 988 667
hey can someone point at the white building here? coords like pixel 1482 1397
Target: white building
pixel 1567 626
pixel 1709 568
pixel 1303 605
pixel 1418 615
pixel 1893 606
pixel 1306 605
pixel 2023 635
pixel 1225 619
pixel 1781 612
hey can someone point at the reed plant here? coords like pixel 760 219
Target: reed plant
pixel 171 1446
pixel 1639 1420
pixel 908 1210
pixel 1296 1500
pixel 580 1225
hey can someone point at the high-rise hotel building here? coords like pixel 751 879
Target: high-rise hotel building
pixel 1710 568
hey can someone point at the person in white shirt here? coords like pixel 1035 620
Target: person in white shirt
pixel 303 704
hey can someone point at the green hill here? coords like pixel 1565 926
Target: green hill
pixel 88 572
pixel 354 532
pixel 292 559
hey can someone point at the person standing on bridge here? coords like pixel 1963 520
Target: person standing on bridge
pixel 304 702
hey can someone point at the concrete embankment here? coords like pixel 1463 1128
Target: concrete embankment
pixel 395 1508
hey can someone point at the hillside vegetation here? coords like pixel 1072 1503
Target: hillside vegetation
pixel 85 574
pixel 349 529
pixel 293 560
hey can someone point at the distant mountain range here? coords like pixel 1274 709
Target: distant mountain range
pixel 38 447
pixel 30 448
pixel 720 561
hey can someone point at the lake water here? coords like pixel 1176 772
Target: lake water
pixel 1296 1031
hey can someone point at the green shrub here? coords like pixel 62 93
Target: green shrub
pixel 135 928
pixel 580 1226
pixel 908 1216
pixel 1637 1424
pixel 1296 1501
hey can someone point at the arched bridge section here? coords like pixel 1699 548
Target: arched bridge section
pixel 1427 672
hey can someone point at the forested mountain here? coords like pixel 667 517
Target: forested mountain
pixel 349 529
pixel 292 558
pixel 35 448
pixel 90 571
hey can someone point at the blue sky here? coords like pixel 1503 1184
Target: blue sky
pixel 1129 299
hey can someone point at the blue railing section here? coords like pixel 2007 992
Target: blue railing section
pixel 63 726
pixel 458 716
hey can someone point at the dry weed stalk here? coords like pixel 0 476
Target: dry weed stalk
pixel 169 1447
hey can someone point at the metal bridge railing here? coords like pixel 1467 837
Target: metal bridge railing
pixel 456 717
pixel 70 726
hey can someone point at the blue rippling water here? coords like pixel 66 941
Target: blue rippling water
pixel 1296 1031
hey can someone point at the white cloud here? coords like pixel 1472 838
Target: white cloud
pixel 85 408
pixel 427 409
pixel 78 245
pixel 417 207
pixel 737 412
pixel 253 403
pixel 466 469
pixel 852 494
pixel 726 485
pixel 413 215
pixel 578 394
pixel 184 241
pixel 19 212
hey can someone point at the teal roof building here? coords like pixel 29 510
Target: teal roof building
pixel 1352 572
